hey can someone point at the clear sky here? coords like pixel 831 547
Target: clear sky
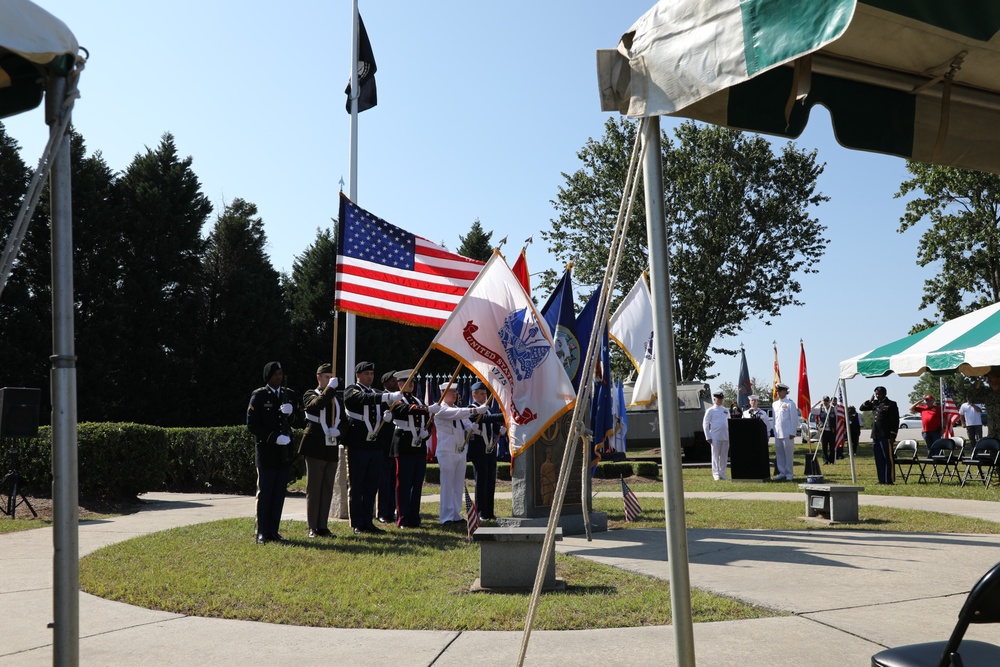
pixel 482 107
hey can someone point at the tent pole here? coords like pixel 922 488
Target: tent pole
pixel 65 482
pixel 666 378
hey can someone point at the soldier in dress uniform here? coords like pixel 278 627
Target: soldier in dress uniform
pixel 409 452
pixel 452 425
pixel 364 408
pixel 271 414
pixel 385 506
pixel 715 424
pixel 885 425
pixel 319 447
pixel 486 430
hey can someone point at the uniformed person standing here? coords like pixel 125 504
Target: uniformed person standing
pixel 271 415
pixel 716 427
pixel 363 406
pixel 885 425
pixel 385 507
pixel 786 425
pixel 320 447
pixel 486 430
pixel 409 452
pixel 452 425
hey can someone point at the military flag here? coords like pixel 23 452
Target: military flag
pixel 520 270
pixel 631 326
pixel 805 404
pixel 743 389
pixel 497 333
pixel 777 375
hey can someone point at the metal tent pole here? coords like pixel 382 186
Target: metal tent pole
pixel 65 486
pixel 666 378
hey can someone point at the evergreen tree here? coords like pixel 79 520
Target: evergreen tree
pixel 476 244
pixel 244 321
pixel 161 287
pixel 309 291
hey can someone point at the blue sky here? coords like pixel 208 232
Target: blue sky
pixel 482 107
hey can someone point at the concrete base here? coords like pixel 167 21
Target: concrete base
pixel 477 587
pixel 509 558
pixel 836 502
pixel 571 524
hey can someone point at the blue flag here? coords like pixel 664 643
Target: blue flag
pixel 560 314
pixel 602 414
pixel 743 390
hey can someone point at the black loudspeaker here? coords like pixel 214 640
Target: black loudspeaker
pixel 19 412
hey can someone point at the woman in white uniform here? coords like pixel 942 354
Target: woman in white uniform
pixel 453 425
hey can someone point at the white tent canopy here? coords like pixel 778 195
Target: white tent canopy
pixel 969 344
pixel 32 33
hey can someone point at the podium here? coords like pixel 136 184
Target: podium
pixel 748 450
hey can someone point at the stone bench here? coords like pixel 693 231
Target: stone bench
pixel 508 558
pixel 835 502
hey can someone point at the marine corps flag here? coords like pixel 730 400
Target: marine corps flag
pixel 805 403
pixel 497 333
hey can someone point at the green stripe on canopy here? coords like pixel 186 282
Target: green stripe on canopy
pixel 876 362
pixel 951 355
pixel 776 31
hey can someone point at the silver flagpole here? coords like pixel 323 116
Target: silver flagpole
pixel 350 333
pixel 666 380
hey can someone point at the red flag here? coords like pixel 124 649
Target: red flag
pixel 777 375
pixel 520 270
pixel 949 413
pixel 387 273
pixel 805 404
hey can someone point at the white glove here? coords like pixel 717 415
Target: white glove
pixel 392 396
pixel 424 434
pixel 481 409
pixel 434 408
pixel 286 409
pixel 334 432
pixel 503 430
pixel 387 416
pixel 282 440
pixel 334 383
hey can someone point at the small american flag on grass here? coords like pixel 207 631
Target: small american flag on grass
pixel 632 509
pixel 471 513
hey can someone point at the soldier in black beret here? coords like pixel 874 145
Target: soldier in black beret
pixel 272 413
pixel 320 448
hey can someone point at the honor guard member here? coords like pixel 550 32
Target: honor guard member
pixel 319 447
pixel 408 452
pixel 385 503
pixel 363 406
pixel 885 425
pixel 453 428
pixel 486 431
pixel 716 427
pixel 270 417
pixel 786 423
pixel 756 412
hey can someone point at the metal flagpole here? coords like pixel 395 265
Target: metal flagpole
pixel 65 480
pixel 350 329
pixel 666 380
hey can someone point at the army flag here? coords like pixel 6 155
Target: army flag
pixel 496 332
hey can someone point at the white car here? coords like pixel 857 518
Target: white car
pixel 910 421
pixel 807 431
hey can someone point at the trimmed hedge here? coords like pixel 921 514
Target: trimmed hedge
pixel 120 461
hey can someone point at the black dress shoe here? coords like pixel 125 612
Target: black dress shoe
pixel 383 520
pixel 359 531
pixel 277 538
pixel 324 532
pixel 262 539
pixel 374 529
pixel 313 533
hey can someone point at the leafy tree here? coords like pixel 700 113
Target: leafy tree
pixel 958 386
pixel 739 230
pixel 476 244
pixel 762 390
pixel 963 240
pixel 161 287
pixel 309 293
pixel 244 319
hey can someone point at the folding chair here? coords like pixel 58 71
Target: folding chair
pixel 940 458
pixel 984 455
pixel 982 606
pixel 905 454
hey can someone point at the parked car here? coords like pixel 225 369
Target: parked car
pixel 807 431
pixel 910 421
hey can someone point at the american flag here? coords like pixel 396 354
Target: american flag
pixel 471 513
pixel 841 436
pixel 949 413
pixel 387 273
pixel 632 509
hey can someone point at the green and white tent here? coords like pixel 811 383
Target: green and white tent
pixel 970 344
pixel 912 78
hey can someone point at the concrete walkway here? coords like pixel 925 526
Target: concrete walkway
pixel 847 593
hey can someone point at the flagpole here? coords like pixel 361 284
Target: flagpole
pixel 350 326
pixel 666 377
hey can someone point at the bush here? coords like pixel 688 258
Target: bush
pixel 120 461
pixel 649 469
